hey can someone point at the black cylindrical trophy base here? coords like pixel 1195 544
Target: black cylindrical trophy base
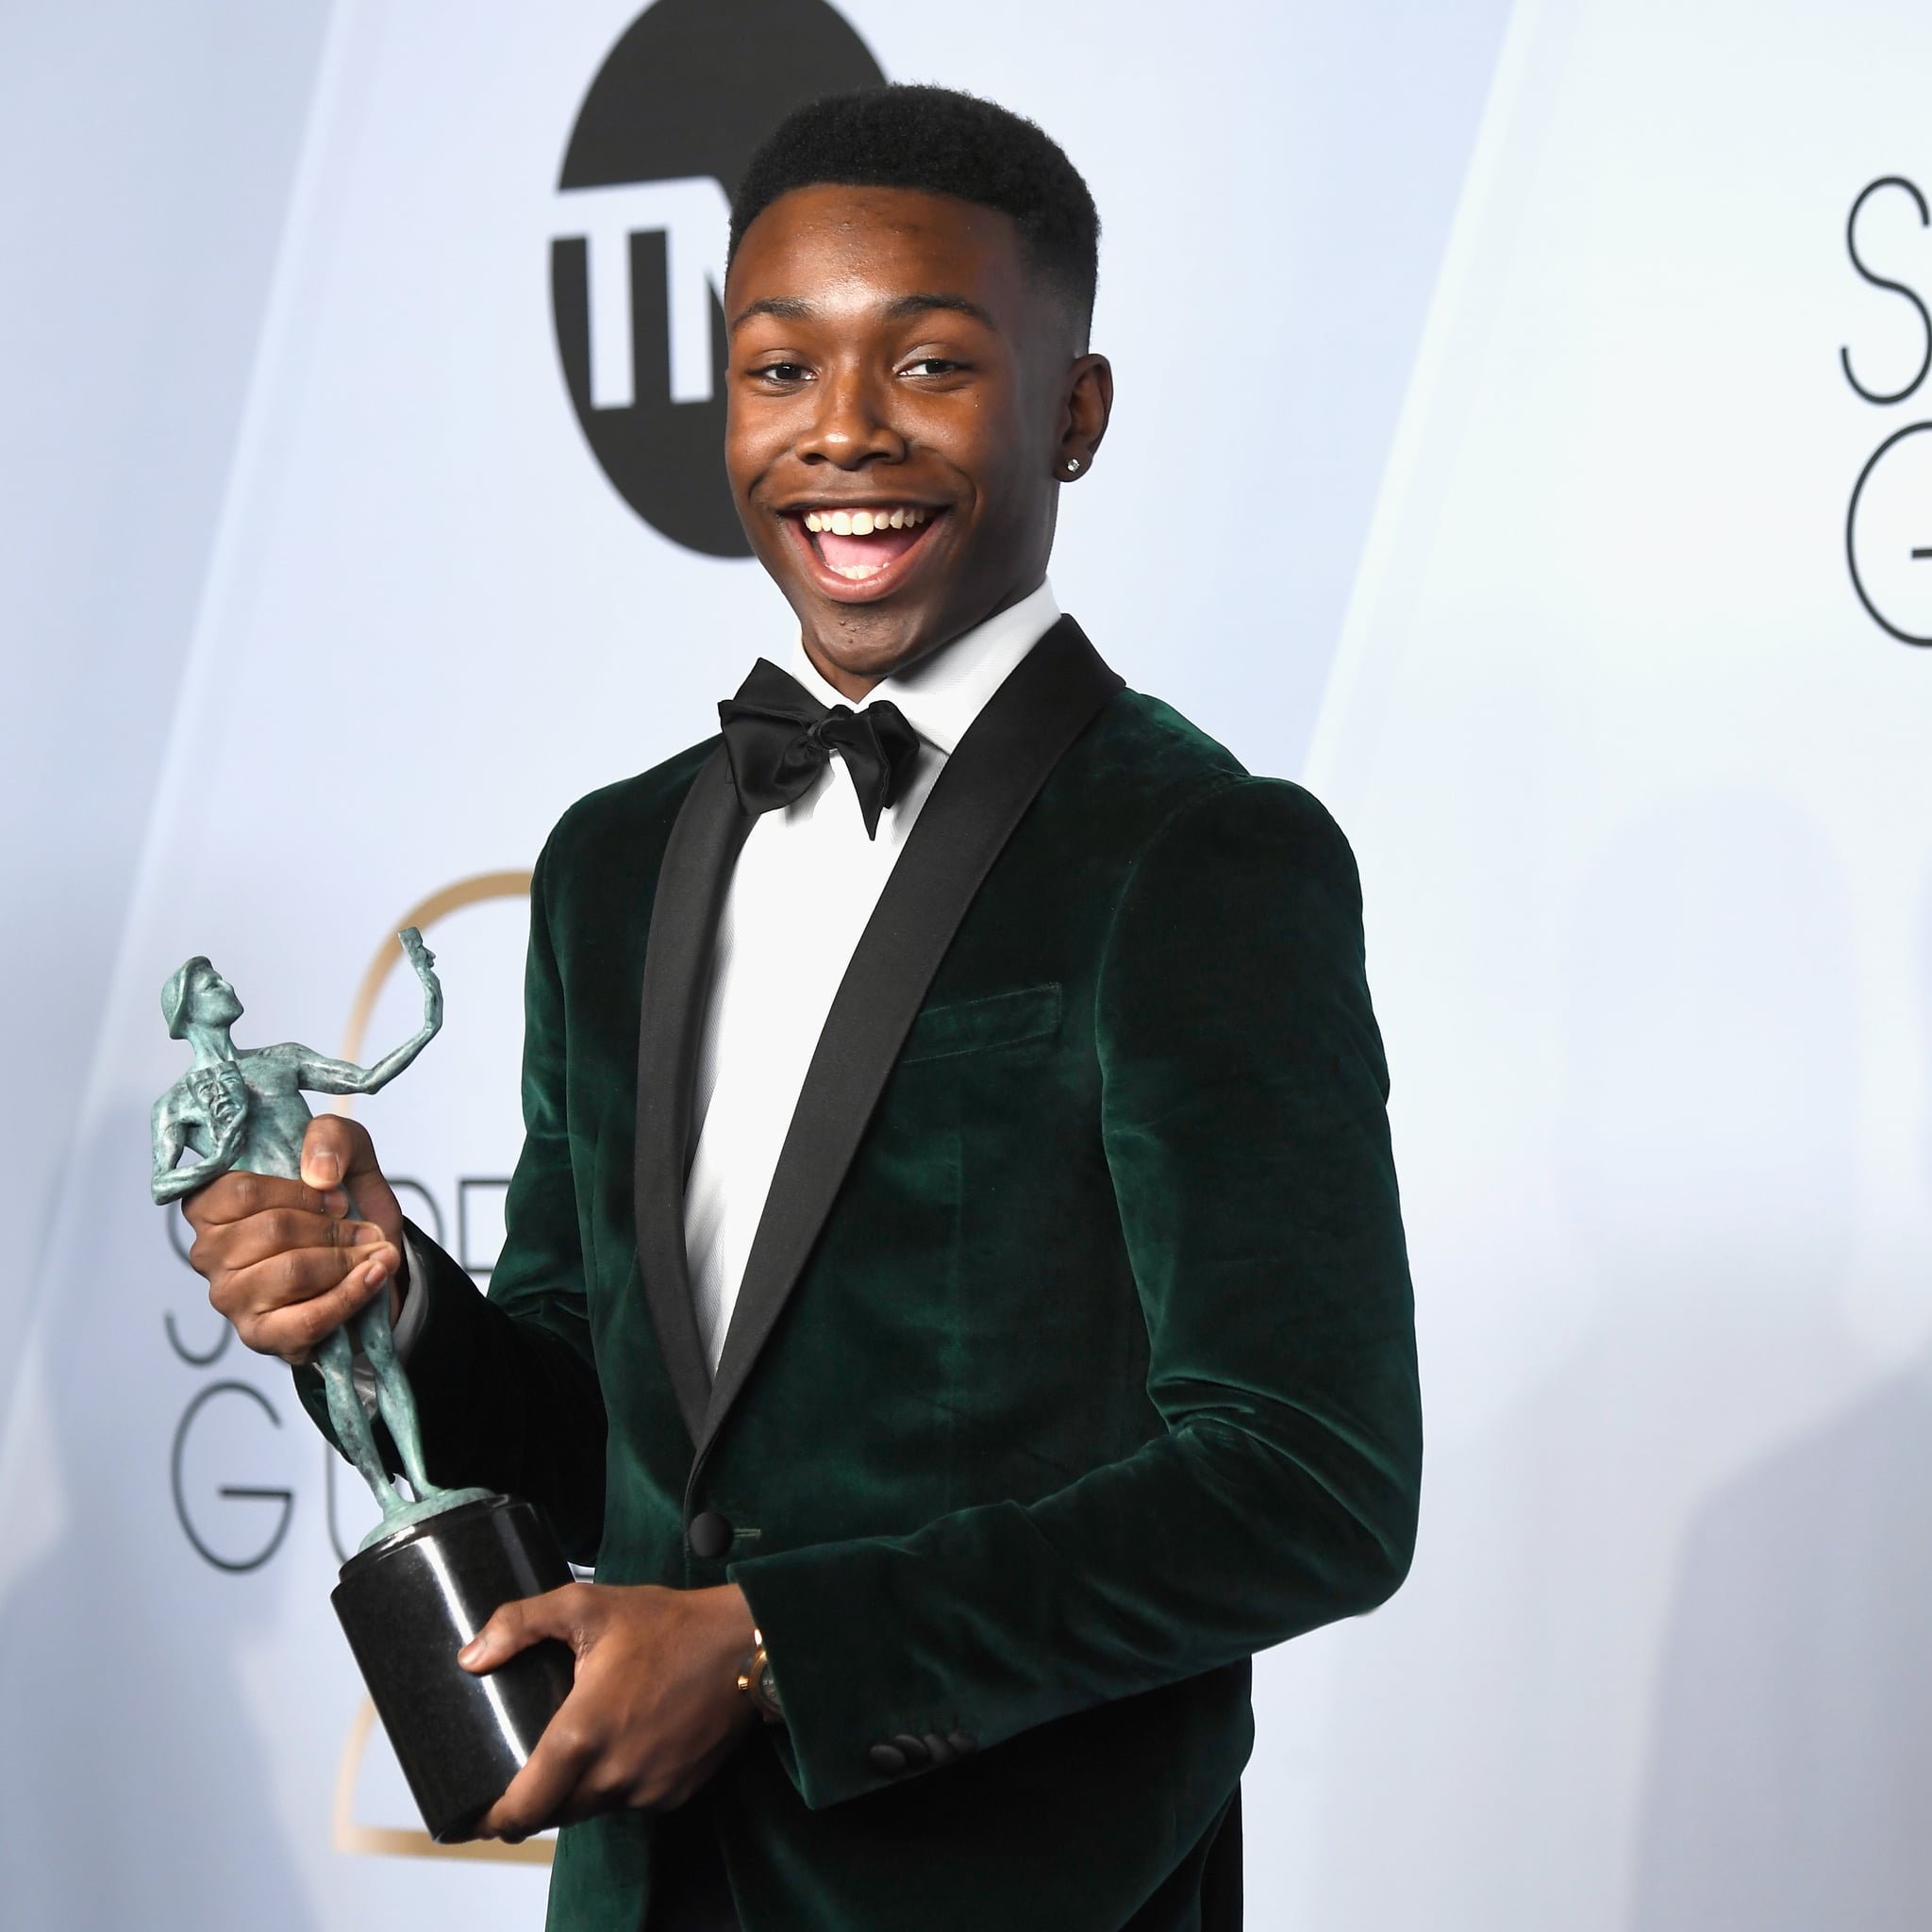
pixel 408 1605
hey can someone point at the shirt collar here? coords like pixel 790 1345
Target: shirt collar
pixel 946 691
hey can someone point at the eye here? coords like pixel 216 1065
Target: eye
pixel 931 365
pixel 781 373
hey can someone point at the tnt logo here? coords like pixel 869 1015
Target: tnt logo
pixel 637 265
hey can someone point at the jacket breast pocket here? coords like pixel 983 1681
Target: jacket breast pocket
pixel 1001 1019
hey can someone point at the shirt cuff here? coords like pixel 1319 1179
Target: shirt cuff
pixel 408 1326
pixel 416 1302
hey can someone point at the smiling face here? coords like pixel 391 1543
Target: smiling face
pixel 905 399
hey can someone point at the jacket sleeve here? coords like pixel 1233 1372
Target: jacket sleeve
pixel 1244 1121
pixel 506 1385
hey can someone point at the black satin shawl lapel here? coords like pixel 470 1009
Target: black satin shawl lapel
pixel 703 841
pixel 994 774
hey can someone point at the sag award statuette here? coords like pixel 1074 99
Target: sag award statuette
pixel 440 1561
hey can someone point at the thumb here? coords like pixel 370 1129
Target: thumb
pixel 529 1620
pixel 338 1154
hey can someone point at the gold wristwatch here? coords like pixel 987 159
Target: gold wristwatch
pixel 755 1680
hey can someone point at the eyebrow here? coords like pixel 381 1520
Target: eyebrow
pixel 786 307
pixel 796 309
pixel 909 305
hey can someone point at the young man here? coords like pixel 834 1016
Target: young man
pixel 955 1245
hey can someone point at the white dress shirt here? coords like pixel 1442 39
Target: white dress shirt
pixel 805 886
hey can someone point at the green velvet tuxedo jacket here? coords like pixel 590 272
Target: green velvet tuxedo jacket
pixel 1073 1362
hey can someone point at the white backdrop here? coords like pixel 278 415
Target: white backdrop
pixel 1484 455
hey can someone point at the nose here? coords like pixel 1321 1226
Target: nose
pixel 852 425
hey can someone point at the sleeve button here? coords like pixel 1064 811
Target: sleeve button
pixel 910 1749
pixel 963 1742
pixel 938 1748
pixel 886 1759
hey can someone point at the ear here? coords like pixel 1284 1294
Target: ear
pixel 1084 417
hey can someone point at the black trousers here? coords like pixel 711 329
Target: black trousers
pixel 696 1894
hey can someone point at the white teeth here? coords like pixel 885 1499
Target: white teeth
pixel 857 572
pixel 862 522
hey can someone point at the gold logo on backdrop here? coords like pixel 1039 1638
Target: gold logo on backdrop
pixel 470 892
pixel 394 1841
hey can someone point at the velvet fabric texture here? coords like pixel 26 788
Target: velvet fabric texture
pixel 1098 1376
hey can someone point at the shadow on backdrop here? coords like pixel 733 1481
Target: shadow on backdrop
pixel 117 1655
pixel 1792 1754
pixel 1793 1750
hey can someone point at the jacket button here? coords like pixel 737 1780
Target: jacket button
pixel 963 1742
pixel 884 1758
pixel 710 1534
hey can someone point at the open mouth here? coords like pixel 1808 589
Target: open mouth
pixel 869 546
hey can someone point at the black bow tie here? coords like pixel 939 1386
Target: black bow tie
pixel 778 738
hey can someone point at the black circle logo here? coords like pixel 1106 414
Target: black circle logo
pixel 636 267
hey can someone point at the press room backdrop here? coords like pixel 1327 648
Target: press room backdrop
pixel 1524 437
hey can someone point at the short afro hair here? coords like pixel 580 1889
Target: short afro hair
pixel 938 142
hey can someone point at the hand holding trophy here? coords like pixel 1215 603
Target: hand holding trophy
pixel 441 1560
